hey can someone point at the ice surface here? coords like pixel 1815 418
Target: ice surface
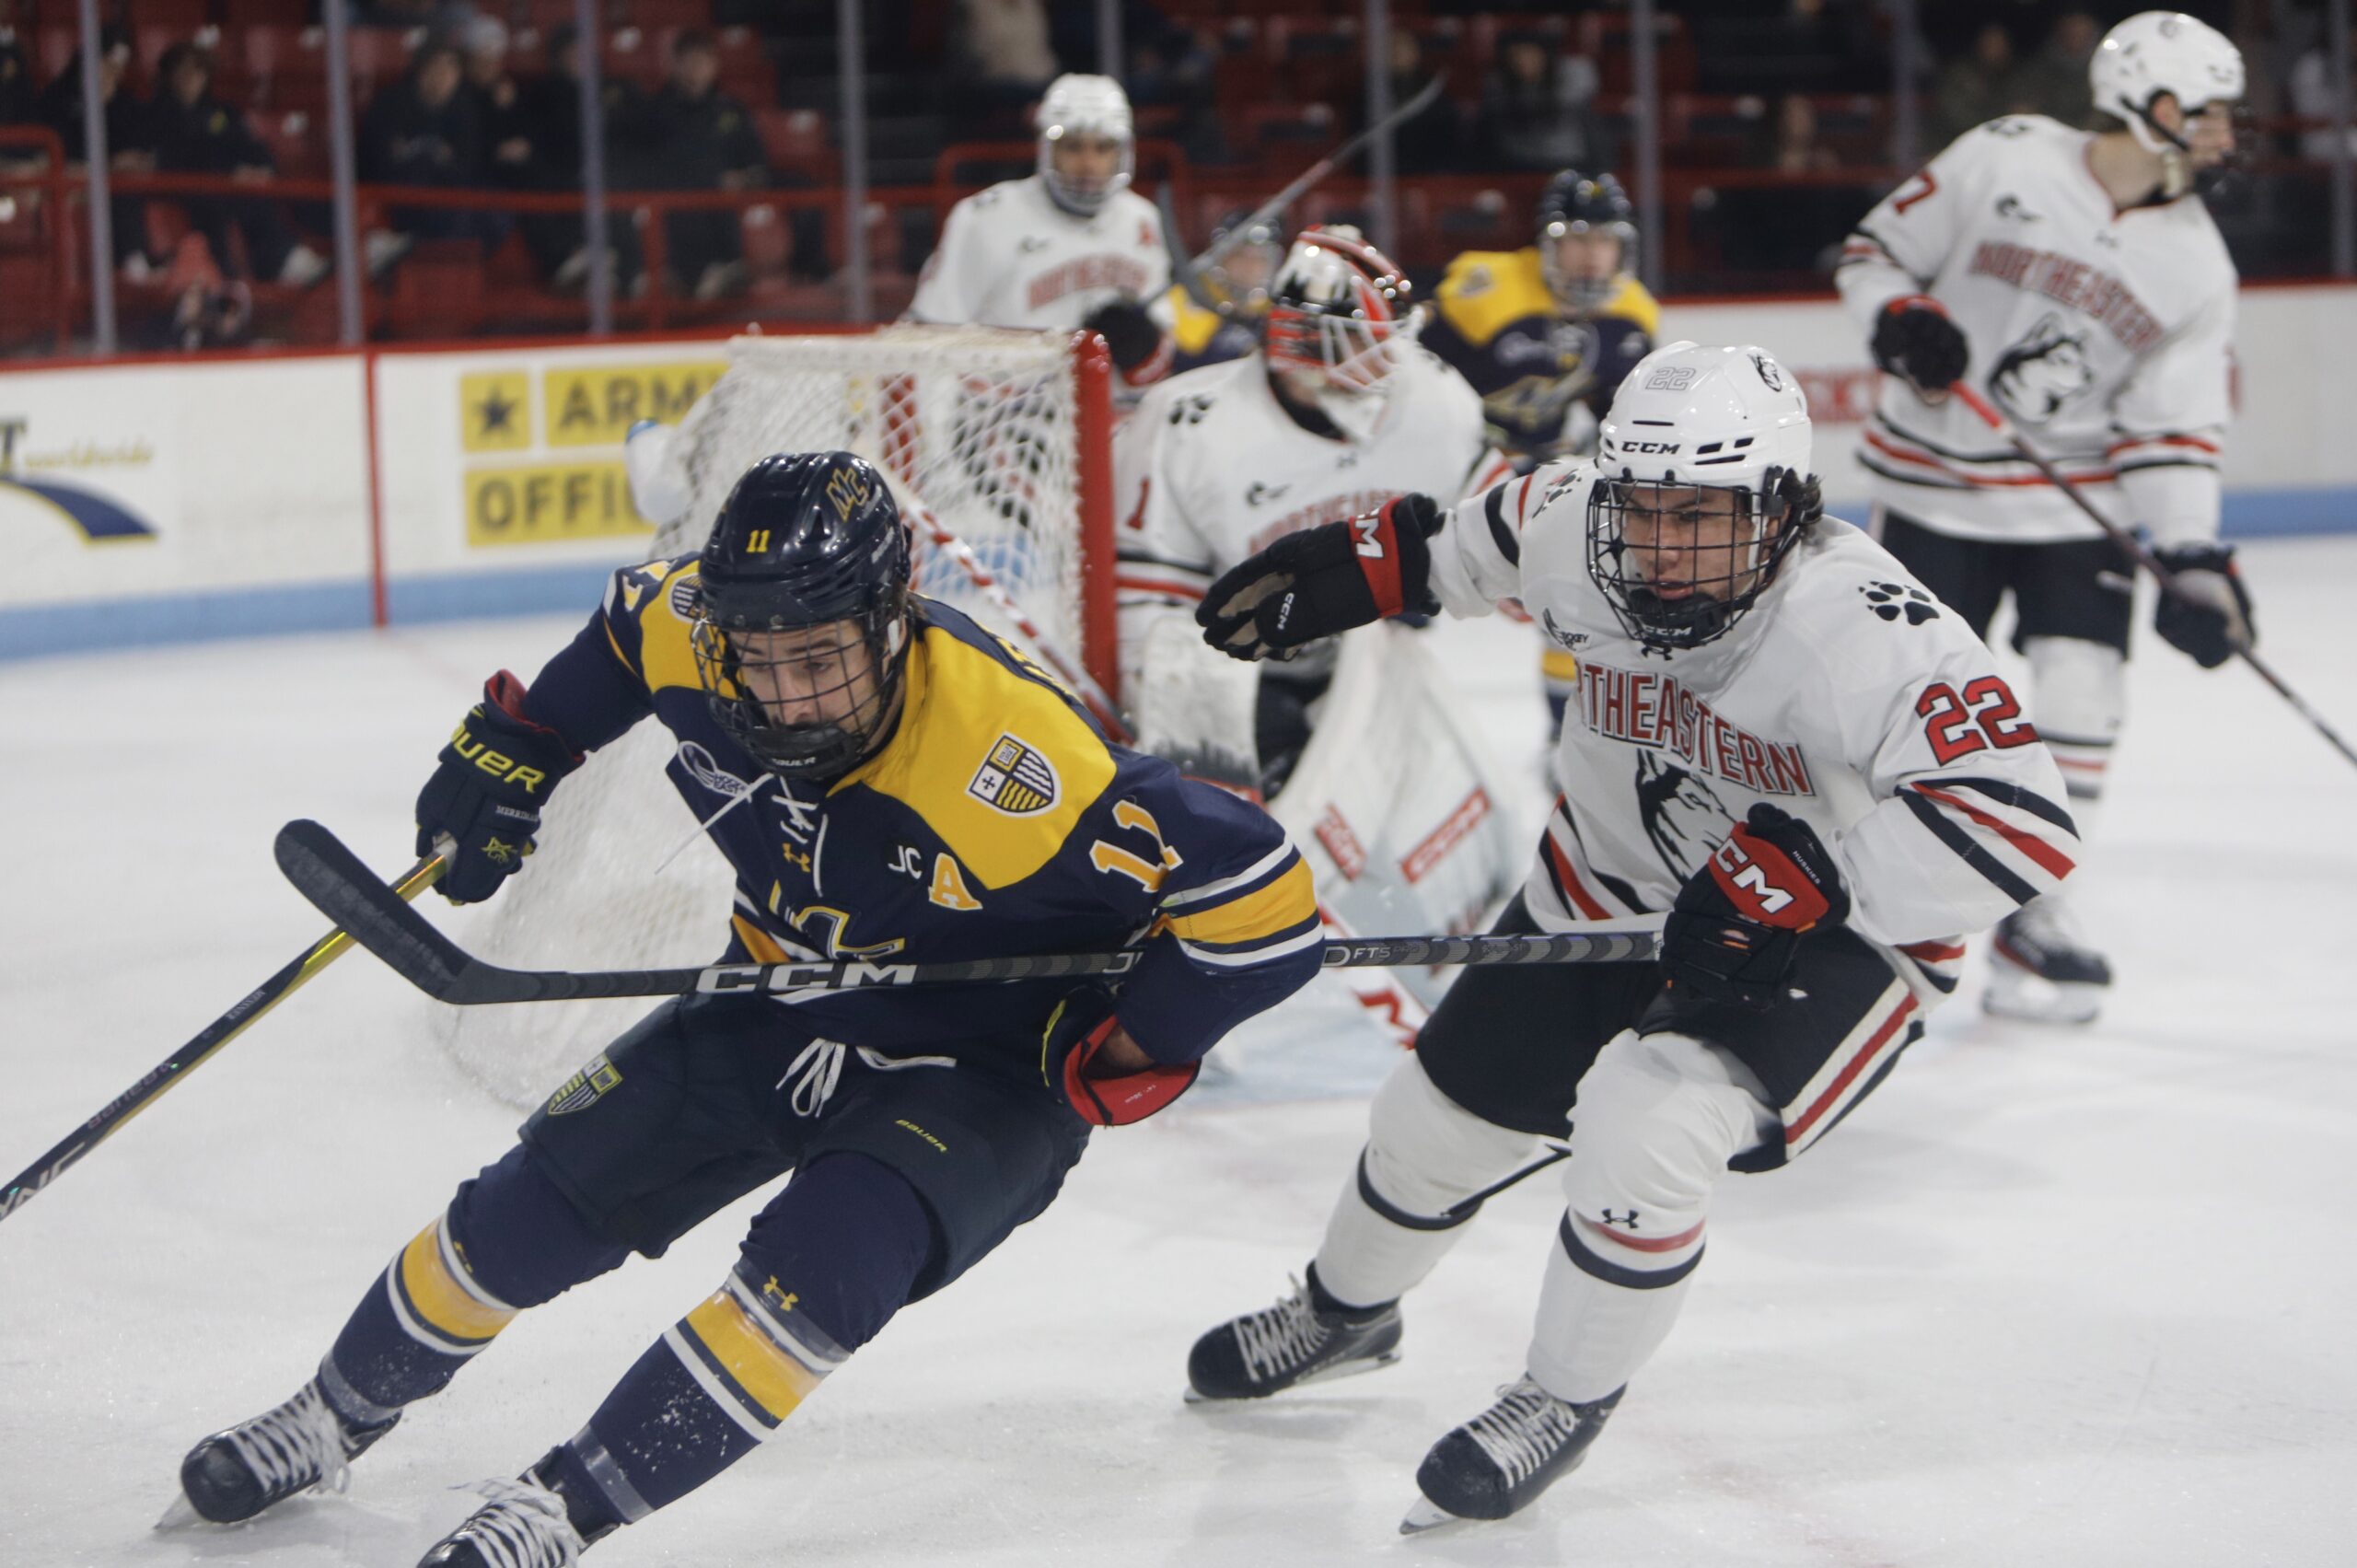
pixel 2050 1297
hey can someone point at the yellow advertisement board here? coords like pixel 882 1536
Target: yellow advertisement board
pixel 537 503
pixel 595 405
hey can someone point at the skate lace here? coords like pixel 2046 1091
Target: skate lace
pixel 1279 1337
pixel 1523 1430
pixel 298 1445
pixel 523 1525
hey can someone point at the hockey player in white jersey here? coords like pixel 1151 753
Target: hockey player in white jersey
pixel 1782 741
pixel 2077 280
pixel 1069 246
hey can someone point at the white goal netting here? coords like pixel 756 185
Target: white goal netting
pixel 999 436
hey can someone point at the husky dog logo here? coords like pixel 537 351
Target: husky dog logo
pixel 1769 373
pixel 2046 369
pixel 585 1089
pixel 1683 817
pixel 1015 779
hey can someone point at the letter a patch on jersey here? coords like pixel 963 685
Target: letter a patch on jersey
pixel 1015 779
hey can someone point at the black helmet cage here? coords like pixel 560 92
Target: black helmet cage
pixel 732 650
pixel 1768 522
pixel 1575 203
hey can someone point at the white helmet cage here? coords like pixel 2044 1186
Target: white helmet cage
pixel 1077 105
pixel 1690 419
pixel 2163 51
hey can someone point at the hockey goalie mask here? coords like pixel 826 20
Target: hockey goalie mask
pixel 1338 315
pixel 1086 119
pixel 2168 52
pixel 1703 487
pixel 1583 221
pixel 801 631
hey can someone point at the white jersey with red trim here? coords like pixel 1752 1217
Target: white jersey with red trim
pixel 1211 468
pixel 2104 335
pixel 1010 257
pixel 1847 696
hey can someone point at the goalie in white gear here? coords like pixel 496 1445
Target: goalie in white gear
pixel 1069 246
pixel 2076 280
pixel 1338 412
pixel 1779 739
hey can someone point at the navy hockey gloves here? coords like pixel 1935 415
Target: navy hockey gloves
pixel 1071 1060
pixel 2212 618
pixel 1914 337
pixel 1736 928
pixel 1325 580
pixel 486 795
pixel 1130 334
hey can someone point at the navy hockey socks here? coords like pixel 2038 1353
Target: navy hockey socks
pixel 824 1267
pixel 509 1240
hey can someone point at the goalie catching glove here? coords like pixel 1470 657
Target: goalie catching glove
pixel 1736 928
pixel 1074 1062
pixel 481 807
pixel 1323 581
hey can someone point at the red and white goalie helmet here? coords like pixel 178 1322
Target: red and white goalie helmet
pixel 1340 307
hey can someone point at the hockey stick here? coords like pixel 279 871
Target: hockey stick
pixel 2142 555
pixel 169 1073
pixel 333 878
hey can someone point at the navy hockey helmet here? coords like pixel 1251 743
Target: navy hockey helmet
pixel 802 620
pixel 1573 204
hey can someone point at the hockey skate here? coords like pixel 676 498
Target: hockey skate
pixel 1501 1460
pixel 235 1474
pixel 524 1524
pixel 2041 968
pixel 1306 1336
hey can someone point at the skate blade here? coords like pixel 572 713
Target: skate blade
pixel 1428 1514
pixel 2045 1002
pixel 1341 1369
pixel 180 1514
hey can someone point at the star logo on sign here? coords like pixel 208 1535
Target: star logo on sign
pixel 497 414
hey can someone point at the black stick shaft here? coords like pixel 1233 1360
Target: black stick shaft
pixel 160 1079
pixel 2144 557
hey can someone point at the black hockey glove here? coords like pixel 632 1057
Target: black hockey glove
pixel 1130 332
pixel 2209 617
pixel 1070 1061
pixel 486 796
pixel 1737 927
pixel 1324 580
pixel 1915 339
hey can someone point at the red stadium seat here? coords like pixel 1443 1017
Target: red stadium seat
pixel 238 16
pixel 296 139
pixel 794 140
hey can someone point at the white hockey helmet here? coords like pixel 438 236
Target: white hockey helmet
pixel 1077 105
pixel 2163 51
pixel 1691 419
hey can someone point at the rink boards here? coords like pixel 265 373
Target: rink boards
pixel 166 500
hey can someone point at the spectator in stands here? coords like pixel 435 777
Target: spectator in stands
pixel 194 133
pixel 549 116
pixel 1789 143
pixel 129 148
pixel 2311 95
pixel 695 137
pixel 18 95
pixel 1537 109
pixel 2054 81
pixel 1169 68
pixel 1430 142
pixel 1979 86
pixel 1004 59
pixel 421 131
pixel 499 121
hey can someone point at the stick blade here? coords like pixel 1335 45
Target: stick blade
pixel 343 887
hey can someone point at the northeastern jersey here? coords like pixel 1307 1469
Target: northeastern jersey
pixel 1211 468
pixel 2104 335
pixel 1847 697
pixel 1010 257
pixel 996 820
pixel 1500 327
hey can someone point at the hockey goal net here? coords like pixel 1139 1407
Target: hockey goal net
pixel 998 442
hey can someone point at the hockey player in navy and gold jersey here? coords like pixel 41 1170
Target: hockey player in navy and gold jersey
pixel 885 777
pixel 1237 286
pixel 1546 331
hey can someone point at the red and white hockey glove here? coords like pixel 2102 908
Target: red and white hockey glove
pixel 1737 927
pixel 1325 580
pixel 1074 1062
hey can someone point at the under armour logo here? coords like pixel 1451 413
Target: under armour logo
pixel 1630 1219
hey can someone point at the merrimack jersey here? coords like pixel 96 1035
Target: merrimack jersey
pixel 1200 336
pixel 1211 468
pixel 1010 257
pixel 1500 326
pixel 996 821
pixel 1847 697
pixel 2104 335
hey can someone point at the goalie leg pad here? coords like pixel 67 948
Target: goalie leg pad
pixel 1424 1154
pixel 1658 1118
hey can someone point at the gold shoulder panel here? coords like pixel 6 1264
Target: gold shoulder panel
pixel 1484 292
pixel 995 763
pixel 1192 327
pixel 1632 301
pixel 665 656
